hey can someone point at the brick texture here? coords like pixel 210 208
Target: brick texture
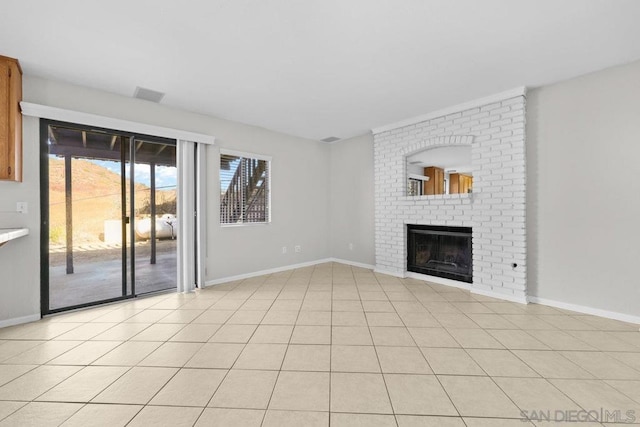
pixel 495 210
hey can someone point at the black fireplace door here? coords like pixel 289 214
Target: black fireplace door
pixel 440 251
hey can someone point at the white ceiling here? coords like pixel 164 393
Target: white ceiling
pixel 317 68
pixel 456 157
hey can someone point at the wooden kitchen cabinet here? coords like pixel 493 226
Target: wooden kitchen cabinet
pixel 10 119
pixel 435 184
pixel 460 183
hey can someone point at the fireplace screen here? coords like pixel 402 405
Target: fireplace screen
pixel 440 251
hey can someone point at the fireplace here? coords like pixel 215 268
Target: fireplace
pixel 440 251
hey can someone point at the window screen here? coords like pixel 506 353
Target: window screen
pixel 244 190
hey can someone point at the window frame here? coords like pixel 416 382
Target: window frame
pixel 245 154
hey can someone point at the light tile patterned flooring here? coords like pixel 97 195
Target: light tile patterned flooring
pixel 324 345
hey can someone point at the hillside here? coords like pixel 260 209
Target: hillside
pixel 96 197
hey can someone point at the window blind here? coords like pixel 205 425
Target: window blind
pixel 244 189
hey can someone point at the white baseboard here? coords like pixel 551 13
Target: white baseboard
pixel 285 268
pixel 19 320
pixel 439 280
pixel 587 310
pixel 389 273
pixel 268 271
pixel 353 263
pixel 513 298
pixel 456 284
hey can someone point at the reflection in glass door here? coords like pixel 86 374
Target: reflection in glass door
pixel 155 216
pixel 100 190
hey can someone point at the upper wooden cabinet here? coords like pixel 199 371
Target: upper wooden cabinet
pixel 435 185
pixel 10 119
pixel 460 183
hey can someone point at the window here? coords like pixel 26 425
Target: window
pixel 244 188
pixel 415 187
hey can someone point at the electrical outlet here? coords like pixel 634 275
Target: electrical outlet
pixel 22 207
pixel 298 248
pixel 350 246
pixel 284 249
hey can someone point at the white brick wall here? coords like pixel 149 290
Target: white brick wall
pixel 495 210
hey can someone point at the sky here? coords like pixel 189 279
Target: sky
pixel 166 177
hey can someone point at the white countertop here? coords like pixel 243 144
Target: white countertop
pixel 7 234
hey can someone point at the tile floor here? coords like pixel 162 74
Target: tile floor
pixel 319 346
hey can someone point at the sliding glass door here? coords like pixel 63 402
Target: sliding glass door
pixel 108 212
pixel 154 217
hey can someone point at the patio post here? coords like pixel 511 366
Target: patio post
pixel 152 202
pixel 69 213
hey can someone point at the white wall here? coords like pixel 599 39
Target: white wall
pixel 299 202
pixel 19 259
pixel 583 148
pixel 352 208
pixel 300 190
pixel 583 156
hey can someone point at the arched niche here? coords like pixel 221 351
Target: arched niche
pixel 439 166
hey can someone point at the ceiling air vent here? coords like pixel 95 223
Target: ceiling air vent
pixel 330 139
pixel 148 94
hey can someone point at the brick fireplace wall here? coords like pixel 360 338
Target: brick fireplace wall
pixel 495 130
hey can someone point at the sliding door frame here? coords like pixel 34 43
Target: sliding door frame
pixel 32 110
pixel 127 215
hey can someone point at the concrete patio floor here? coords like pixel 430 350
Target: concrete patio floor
pixel 98 273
